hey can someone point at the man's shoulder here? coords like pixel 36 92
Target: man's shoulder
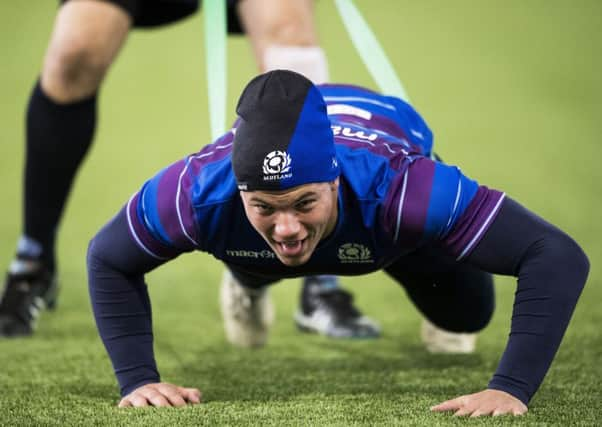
pixel 366 179
pixel 214 184
pixel 209 173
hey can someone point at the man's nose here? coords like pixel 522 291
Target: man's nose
pixel 287 225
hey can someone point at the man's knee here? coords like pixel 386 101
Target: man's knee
pixel 470 320
pixel 86 38
pixel 462 300
pixel 479 320
pixel 289 31
pixel 74 68
pixel 475 302
pixel 274 22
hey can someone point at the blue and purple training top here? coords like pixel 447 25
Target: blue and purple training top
pixel 393 197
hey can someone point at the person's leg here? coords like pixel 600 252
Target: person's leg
pixel 60 123
pixel 456 299
pixel 283 36
pixel 246 307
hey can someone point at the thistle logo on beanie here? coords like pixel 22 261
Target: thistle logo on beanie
pixel 276 163
pixel 284 138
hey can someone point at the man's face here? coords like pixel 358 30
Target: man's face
pixel 294 221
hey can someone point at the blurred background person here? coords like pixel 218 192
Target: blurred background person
pixel 62 116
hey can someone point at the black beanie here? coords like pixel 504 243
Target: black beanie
pixel 284 137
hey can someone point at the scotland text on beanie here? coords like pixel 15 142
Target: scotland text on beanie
pixel 284 138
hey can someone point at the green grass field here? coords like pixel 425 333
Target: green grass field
pixel 512 90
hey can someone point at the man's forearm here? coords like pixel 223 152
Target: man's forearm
pixel 121 304
pixel 551 270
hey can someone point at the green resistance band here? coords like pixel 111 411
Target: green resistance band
pixel 370 50
pixel 215 63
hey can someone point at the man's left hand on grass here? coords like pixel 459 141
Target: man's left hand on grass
pixel 486 402
pixel 161 394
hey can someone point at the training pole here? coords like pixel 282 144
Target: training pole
pixel 370 51
pixel 215 64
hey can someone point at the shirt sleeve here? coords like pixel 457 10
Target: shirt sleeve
pixel 552 270
pixel 161 217
pixel 431 201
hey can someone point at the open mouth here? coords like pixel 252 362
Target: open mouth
pixel 291 248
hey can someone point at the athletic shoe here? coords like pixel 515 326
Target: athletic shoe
pixel 331 313
pixel 247 313
pixel 29 288
pixel 437 340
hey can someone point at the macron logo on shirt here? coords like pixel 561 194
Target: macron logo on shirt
pixel 242 253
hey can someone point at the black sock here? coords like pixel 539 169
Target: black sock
pixel 58 137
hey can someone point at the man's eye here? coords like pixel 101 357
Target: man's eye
pixel 264 209
pixel 305 204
